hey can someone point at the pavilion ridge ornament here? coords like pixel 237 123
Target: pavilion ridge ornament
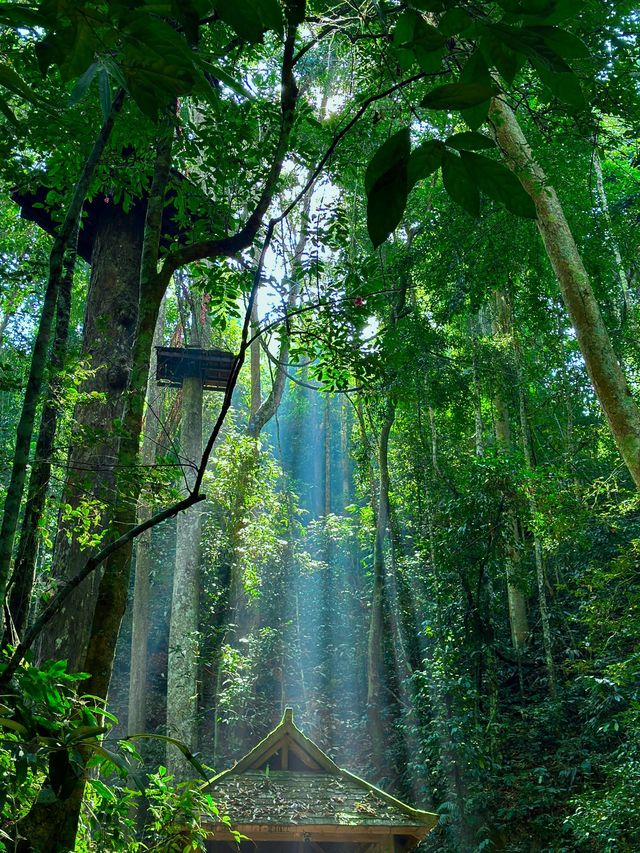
pixel 286 795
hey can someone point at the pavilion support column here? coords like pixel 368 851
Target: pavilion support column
pixel 182 688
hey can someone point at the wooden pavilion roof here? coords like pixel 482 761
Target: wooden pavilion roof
pixel 287 787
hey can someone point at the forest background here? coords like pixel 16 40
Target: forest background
pixel 412 512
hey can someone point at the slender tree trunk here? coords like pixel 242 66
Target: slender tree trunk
pixel 477 397
pixel 613 243
pixel 182 670
pixel 326 433
pixel 137 720
pixel 527 447
pixel 25 562
pixel 375 647
pixel 515 594
pixel 39 356
pixel 256 387
pixel 603 367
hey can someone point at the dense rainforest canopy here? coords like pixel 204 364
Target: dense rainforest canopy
pixel 320 388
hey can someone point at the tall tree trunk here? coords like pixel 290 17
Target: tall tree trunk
pixel 326 435
pixel 182 670
pixel 256 386
pixel 613 243
pixel 137 720
pixel 109 326
pixel 527 447
pixel 111 598
pixel 39 356
pixel 25 562
pixel 515 594
pixel 603 367
pixel 477 397
pixel 375 647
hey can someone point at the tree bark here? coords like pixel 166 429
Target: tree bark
pixel 515 595
pixel 25 562
pixel 24 431
pixel 529 459
pixel 375 651
pixel 603 367
pixel 136 718
pixel 182 670
pixel 109 326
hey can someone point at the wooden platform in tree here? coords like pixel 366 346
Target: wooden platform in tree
pixel 288 795
pixel 212 366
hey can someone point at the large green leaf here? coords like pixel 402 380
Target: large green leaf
pixel 251 18
pixel 529 42
pixel 84 82
pixel 459 184
pixel 475 70
pixel 386 184
pixel 562 42
pixel 499 183
pixel 12 81
pixel 564 85
pixel 458 96
pixel 394 151
pixel 424 160
pixel 506 61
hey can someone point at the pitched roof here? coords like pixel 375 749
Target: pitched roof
pixel 316 792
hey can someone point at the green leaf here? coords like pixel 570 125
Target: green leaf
pixel 386 204
pixel 105 792
pixel 458 96
pixel 424 161
pixel 428 5
pixel 529 43
pixel 13 724
pixel 85 733
pixel 563 85
pixel 562 42
pixel 499 183
pixel 427 37
pixel 8 113
pixel 393 152
pixel 104 92
pixel 454 21
pixel 224 77
pixel 470 141
pixel 506 61
pixel 20 16
pixel 405 26
pixel 459 184
pixel 179 745
pixel 14 83
pixel 82 86
pixel 476 71
pixel 251 18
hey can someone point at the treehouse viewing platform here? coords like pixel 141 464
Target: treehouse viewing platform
pixel 212 366
pixel 287 795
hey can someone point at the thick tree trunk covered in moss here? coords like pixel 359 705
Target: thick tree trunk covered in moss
pixel 182 670
pixel 110 320
pixel 39 357
pixel 605 372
